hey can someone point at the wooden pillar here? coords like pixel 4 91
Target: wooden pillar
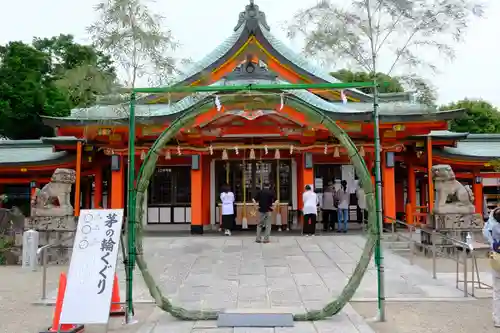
pixel 78 178
pixel 389 189
pixel 117 184
pixel 477 189
pixel 88 192
pixel 423 193
pixel 430 180
pixel 411 193
pixel 98 188
pixel 197 195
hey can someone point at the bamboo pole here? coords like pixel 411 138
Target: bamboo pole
pixel 252 87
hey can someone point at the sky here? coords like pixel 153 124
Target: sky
pixel 200 25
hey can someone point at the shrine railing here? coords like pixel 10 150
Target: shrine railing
pixel 41 254
pixel 441 245
pixel 416 215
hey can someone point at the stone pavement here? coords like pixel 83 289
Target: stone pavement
pixel 291 273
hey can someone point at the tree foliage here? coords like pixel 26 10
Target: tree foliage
pixel 481 117
pixel 132 35
pixel 393 85
pixel 39 80
pixel 402 32
pixel 425 93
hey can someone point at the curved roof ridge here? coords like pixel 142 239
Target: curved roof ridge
pixel 302 62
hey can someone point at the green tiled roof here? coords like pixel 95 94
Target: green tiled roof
pixel 475 146
pixel 120 111
pixel 25 155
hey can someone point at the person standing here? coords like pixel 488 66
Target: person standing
pixel 328 209
pixel 343 198
pixel 265 199
pixel 491 233
pixel 310 211
pixel 227 198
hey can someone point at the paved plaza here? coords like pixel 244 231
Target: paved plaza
pixel 291 273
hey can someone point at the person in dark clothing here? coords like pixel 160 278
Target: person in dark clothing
pixel 328 209
pixel 265 200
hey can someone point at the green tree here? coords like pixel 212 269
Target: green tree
pixel 407 35
pixel 133 36
pixel 82 71
pixel 48 78
pixel 481 116
pixel 25 92
pixel 425 93
pixel 393 86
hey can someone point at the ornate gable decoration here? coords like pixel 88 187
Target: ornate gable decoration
pixel 251 71
pixel 252 17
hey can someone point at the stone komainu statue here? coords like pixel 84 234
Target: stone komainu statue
pixel 54 198
pixel 451 196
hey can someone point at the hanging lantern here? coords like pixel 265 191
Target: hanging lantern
pixel 291 149
pixel 336 152
pixel 143 155
pixel 179 150
pixel 236 151
pixel 252 154
pixel 167 155
pixel 362 151
pixel 277 154
pixel 326 149
pixel 265 150
pixel 211 150
pixel 224 155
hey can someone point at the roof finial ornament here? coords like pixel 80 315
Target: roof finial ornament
pixel 252 17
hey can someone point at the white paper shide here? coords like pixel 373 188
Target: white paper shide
pixel 93 264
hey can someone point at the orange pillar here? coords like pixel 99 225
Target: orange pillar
pixel 78 178
pixel 118 185
pixel 389 190
pixel 430 179
pixel 206 190
pixel 197 198
pixel 98 188
pixel 477 189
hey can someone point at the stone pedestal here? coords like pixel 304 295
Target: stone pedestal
pixel 53 230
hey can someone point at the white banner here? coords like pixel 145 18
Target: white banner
pixel 87 299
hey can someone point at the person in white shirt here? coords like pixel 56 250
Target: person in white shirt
pixel 310 210
pixel 343 199
pixel 227 198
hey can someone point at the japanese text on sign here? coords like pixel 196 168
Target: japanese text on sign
pixel 92 268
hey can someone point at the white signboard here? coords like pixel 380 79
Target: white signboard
pixel 87 299
pixel 318 183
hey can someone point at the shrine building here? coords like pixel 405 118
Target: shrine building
pixel 250 137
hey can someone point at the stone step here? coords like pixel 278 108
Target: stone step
pixel 255 318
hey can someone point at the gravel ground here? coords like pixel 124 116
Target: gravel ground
pixel 432 317
pixel 19 289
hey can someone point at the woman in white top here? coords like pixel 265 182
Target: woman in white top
pixel 309 210
pixel 227 198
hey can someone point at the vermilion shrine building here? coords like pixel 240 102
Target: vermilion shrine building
pixel 247 138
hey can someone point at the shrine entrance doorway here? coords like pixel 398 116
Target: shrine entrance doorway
pixel 245 179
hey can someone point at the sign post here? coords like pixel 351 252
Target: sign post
pixel 92 268
pixel 31 239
